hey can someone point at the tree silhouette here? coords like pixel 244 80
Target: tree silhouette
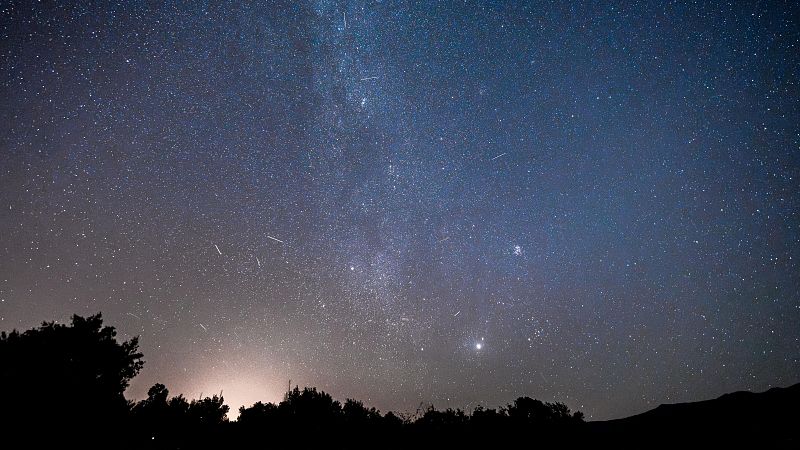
pixel 357 415
pixel 208 411
pixel 257 414
pixel 316 409
pixel 530 411
pixel 67 378
pixel 488 418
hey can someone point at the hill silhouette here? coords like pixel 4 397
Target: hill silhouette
pixel 769 417
pixel 63 386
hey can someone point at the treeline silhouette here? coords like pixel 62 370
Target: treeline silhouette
pixel 70 381
pixel 63 385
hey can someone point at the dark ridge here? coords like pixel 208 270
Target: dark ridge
pixel 743 416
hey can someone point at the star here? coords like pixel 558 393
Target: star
pixel 216 193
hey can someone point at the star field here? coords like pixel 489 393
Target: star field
pixel 404 202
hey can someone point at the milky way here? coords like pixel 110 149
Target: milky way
pixel 454 203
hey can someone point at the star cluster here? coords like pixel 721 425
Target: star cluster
pixel 405 202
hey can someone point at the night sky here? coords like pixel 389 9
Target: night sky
pixel 455 203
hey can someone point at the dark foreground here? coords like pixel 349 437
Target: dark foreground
pixel 63 387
